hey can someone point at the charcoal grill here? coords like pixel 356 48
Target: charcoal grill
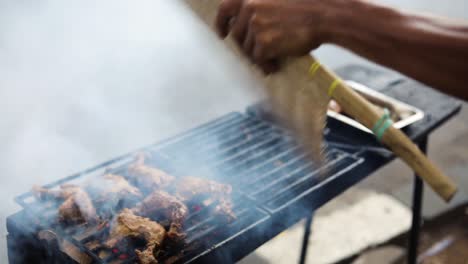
pixel 274 183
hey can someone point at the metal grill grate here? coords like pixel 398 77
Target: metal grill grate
pixel 266 168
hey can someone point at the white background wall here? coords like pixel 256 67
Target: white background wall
pixel 81 82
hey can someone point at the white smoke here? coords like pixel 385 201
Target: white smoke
pixel 84 81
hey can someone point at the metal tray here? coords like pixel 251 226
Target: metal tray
pixel 407 114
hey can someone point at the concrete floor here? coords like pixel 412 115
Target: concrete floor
pixel 83 82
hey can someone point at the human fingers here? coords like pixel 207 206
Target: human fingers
pixel 227 11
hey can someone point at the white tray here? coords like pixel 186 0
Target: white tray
pixel 408 114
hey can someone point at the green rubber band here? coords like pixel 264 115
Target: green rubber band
pixel 381 132
pixel 382 119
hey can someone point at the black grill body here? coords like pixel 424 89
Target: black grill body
pixel 274 184
pixel 270 175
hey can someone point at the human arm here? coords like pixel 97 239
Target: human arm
pixel 429 49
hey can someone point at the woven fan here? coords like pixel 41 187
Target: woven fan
pixel 299 96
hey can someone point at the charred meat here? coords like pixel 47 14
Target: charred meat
pixel 193 189
pixel 128 225
pixel 76 206
pixel 148 177
pixel 147 256
pixel 152 225
pixel 161 204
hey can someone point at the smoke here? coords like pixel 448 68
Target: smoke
pixel 84 81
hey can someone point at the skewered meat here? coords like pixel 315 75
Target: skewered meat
pixel 161 203
pixel 147 176
pixel 76 207
pixel 208 192
pixel 129 225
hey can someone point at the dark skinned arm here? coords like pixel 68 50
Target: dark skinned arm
pixel 429 49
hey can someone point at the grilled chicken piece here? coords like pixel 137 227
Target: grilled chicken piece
pixel 120 185
pixel 146 256
pixel 113 187
pixel 129 225
pixel 112 192
pixel 148 177
pixel 161 203
pixel 208 192
pixel 77 207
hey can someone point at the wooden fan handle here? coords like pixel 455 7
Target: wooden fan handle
pixel 367 114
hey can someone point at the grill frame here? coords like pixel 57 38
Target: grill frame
pixel 256 149
pixel 438 108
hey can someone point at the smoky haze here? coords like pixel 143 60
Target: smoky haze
pixel 84 81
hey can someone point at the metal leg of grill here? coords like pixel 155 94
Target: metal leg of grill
pixel 413 242
pixel 305 240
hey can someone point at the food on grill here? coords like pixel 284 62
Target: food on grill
pixel 128 225
pixel 112 187
pixel 150 226
pixel 148 177
pixel 76 205
pixel 110 193
pixel 146 256
pixel 120 186
pixel 191 189
pixel 161 204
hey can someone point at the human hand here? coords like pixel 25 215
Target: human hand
pixel 269 30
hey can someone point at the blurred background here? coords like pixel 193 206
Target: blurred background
pixel 84 81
